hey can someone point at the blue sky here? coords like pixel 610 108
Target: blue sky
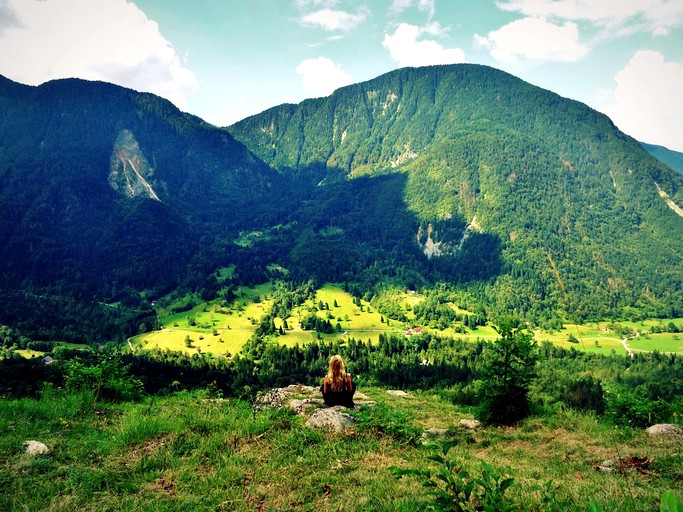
pixel 226 59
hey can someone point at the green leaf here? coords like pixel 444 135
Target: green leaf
pixel 669 503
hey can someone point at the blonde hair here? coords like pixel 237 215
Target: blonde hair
pixel 336 374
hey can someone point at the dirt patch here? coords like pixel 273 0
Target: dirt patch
pixel 164 485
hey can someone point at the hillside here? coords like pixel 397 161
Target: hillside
pixel 505 197
pixel 107 192
pixel 495 181
pixel 673 159
pixel 194 451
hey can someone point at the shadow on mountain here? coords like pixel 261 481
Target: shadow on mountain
pixel 361 230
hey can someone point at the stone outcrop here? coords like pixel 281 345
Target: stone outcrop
pixel 307 401
pixel 664 429
pixel 470 424
pixel 332 418
pixel 35 448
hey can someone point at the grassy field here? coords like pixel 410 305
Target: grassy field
pixel 663 342
pixel 217 329
pixel 185 452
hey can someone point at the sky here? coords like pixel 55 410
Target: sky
pixel 224 60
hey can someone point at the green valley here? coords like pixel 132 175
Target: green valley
pixel 221 328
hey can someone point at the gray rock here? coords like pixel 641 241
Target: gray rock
pixel 432 434
pixel 470 424
pixel 305 405
pixel 332 418
pixel 607 466
pixel 398 392
pixel 273 398
pixel 664 429
pixel 35 448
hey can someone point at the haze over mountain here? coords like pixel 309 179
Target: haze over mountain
pixel 529 202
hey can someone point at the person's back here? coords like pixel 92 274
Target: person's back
pixel 337 387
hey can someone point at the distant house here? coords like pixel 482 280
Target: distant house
pixel 412 331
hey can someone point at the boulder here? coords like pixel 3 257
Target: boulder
pixel 273 398
pixel 35 448
pixel 398 392
pixel 305 405
pixel 470 424
pixel 433 434
pixel 664 429
pixel 331 418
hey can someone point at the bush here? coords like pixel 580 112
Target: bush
pixel 107 379
pixel 507 376
pixel 628 408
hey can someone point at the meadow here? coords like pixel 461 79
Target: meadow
pixel 223 330
pixel 197 451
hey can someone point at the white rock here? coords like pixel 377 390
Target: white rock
pixel 398 392
pixel 664 429
pixel 470 424
pixel 331 418
pixel 35 448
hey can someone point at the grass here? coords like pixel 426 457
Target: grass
pixel 234 324
pixel 187 452
pixel 663 342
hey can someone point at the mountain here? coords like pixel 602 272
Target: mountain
pixel 106 192
pixel 463 179
pixel 529 200
pixel 673 159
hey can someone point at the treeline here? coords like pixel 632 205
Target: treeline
pixel 634 391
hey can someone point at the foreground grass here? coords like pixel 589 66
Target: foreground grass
pixel 184 452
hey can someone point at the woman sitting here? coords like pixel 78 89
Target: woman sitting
pixel 337 388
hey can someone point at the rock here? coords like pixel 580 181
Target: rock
pixel 664 429
pixel 35 448
pixel 432 434
pixel 273 398
pixel 332 418
pixel 305 405
pixel 300 389
pixel 470 424
pixel 607 466
pixel 398 392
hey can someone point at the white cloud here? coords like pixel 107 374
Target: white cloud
pixel 406 50
pixel 427 6
pixel 305 4
pixel 321 76
pixel 534 39
pixel 110 40
pixel 329 19
pixel 648 103
pixel 647 14
pixel 435 29
pixel 398 6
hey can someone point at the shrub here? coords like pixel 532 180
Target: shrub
pixel 107 379
pixel 507 376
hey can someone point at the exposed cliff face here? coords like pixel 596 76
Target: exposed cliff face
pixel 130 173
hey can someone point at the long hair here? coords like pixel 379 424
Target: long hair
pixel 336 375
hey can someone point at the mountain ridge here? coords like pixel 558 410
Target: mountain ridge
pixel 477 138
pixel 463 175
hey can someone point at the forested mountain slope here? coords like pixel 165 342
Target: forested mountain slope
pixel 500 182
pixel 105 191
pixel 673 159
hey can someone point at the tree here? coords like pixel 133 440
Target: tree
pixel 507 375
